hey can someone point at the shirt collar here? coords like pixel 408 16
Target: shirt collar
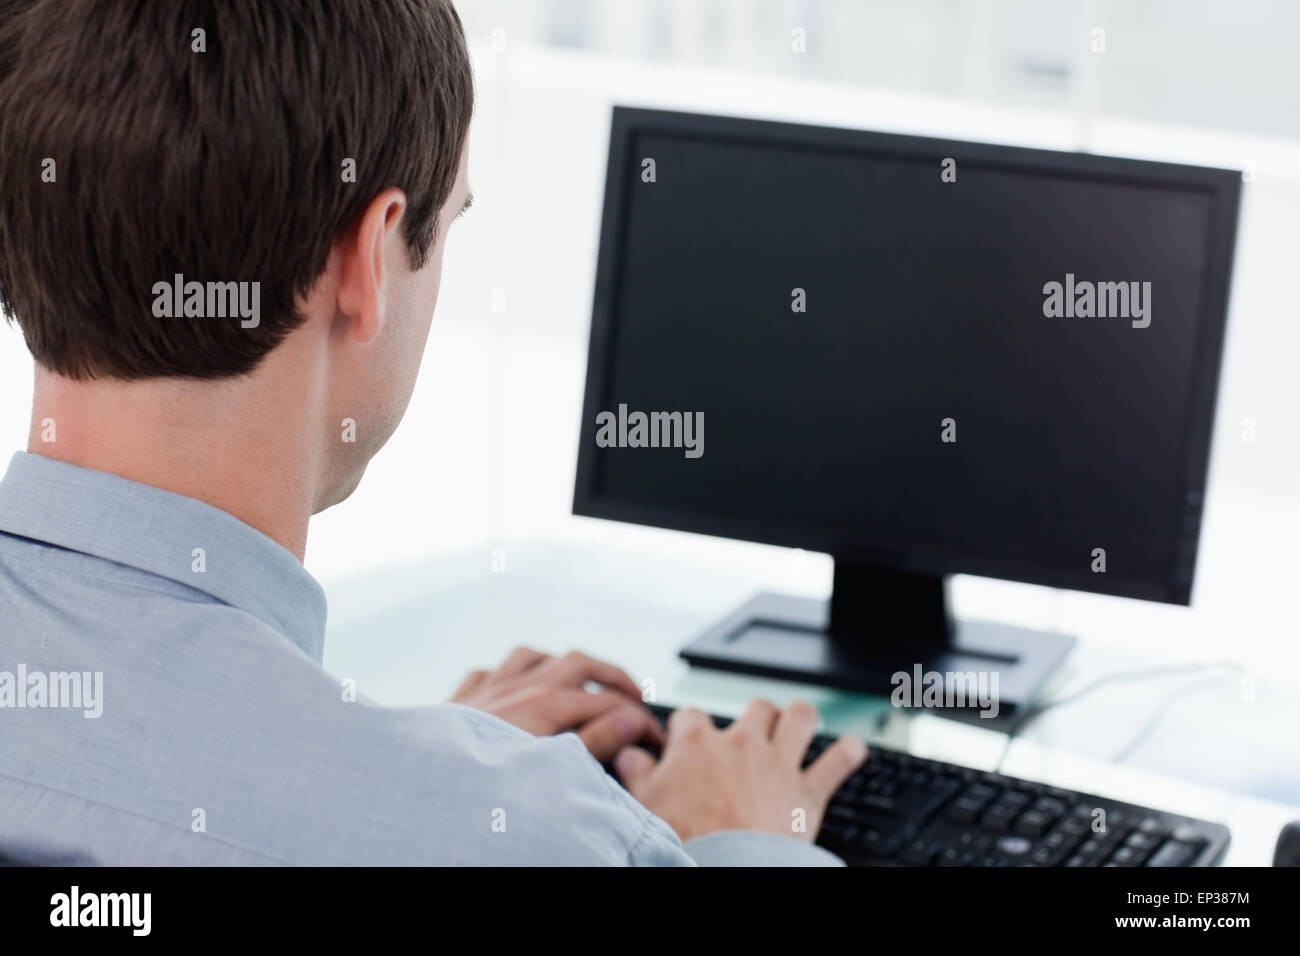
pixel 143 527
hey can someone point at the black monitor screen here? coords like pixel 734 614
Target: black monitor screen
pixel 883 367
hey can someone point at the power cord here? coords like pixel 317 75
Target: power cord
pixel 1153 721
pixel 1018 723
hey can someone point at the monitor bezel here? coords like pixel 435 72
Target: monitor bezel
pixel 1223 185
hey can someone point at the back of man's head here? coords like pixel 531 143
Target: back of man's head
pixel 224 141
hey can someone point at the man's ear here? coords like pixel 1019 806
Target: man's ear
pixel 363 273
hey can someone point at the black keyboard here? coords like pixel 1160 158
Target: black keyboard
pixel 900 810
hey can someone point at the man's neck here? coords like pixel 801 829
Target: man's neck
pixel 244 445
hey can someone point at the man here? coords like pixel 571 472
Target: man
pixel 221 232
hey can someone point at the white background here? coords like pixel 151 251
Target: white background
pixel 486 454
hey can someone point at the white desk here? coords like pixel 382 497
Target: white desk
pixel 408 634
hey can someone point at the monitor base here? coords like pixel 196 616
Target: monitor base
pixel 788 638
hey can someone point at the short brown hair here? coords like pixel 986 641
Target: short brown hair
pixel 223 165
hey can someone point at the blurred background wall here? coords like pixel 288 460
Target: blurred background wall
pixel 487 451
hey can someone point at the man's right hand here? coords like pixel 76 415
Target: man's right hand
pixel 546 695
pixel 748 776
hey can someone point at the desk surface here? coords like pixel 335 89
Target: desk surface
pixel 1219 745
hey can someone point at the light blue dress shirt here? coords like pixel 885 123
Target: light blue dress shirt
pixel 162 702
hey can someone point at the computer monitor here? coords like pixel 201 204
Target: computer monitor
pixel 924 357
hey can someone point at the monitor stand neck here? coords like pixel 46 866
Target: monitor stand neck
pixel 912 609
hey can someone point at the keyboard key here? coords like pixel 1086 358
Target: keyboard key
pixel 965 810
pixel 1126 856
pixel 919 853
pixel 876 802
pixel 1075 826
pixel 1049 806
pixel 877 845
pixel 1059 840
pixel 981 791
pixel 1154 827
pixel 1033 823
pixel 1091 848
pixel 1107 837
pixel 838 830
pixel 1045 856
pixel 1014 845
pixel 1174 853
pixel 1000 817
pixel 922 803
pixel 1142 840
pixel 976 841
